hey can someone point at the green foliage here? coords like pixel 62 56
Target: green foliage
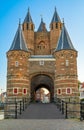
pixel 82 100
pixel 79 84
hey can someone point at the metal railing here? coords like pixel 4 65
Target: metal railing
pixel 13 109
pixel 70 109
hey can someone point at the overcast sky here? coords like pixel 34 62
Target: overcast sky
pixel 11 10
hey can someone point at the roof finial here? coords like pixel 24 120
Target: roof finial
pixel 55 9
pixel 41 18
pixel 28 9
pixel 19 21
pixel 63 21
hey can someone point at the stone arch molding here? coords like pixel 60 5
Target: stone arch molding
pixel 51 75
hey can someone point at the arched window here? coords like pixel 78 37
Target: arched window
pixel 68 91
pixel 56 25
pixel 27 26
pixel 41 62
pixel 41 45
pixel 15 90
pixel 16 63
pixel 23 27
pixel 59 91
pixel 32 27
pixel 67 62
pixel 24 91
pixel 60 26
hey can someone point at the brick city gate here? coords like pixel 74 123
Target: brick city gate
pixel 40 81
pixel 51 54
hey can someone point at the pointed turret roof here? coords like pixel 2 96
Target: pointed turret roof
pixel 18 42
pixel 64 42
pixel 42 27
pixel 28 18
pixel 56 17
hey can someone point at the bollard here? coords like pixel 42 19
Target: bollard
pixel 23 104
pixel 62 107
pixel 81 118
pixel 20 108
pixel 66 111
pixel 15 110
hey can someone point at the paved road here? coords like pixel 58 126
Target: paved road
pixel 55 124
pixel 41 111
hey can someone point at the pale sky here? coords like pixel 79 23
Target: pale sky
pixel 11 10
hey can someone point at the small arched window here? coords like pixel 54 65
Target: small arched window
pixel 24 91
pixel 16 63
pixel 41 45
pixel 23 27
pixel 68 91
pixel 27 26
pixel 59 91
pixel 56 25
pixel 15 90
pixel 67 62
pixel 41 62
pixel 32 27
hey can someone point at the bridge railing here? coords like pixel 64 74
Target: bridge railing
pixel 70 109
pixel 14 108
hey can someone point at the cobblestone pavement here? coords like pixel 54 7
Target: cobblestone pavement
pixel 55 124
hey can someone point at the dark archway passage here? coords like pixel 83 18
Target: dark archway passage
pixel 40 81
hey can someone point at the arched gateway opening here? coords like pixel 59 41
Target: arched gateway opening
pixel 38 85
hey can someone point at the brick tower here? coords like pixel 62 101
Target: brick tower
pixel 66 66
pixel 42 59
pixel 18 67
pixel 28 31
